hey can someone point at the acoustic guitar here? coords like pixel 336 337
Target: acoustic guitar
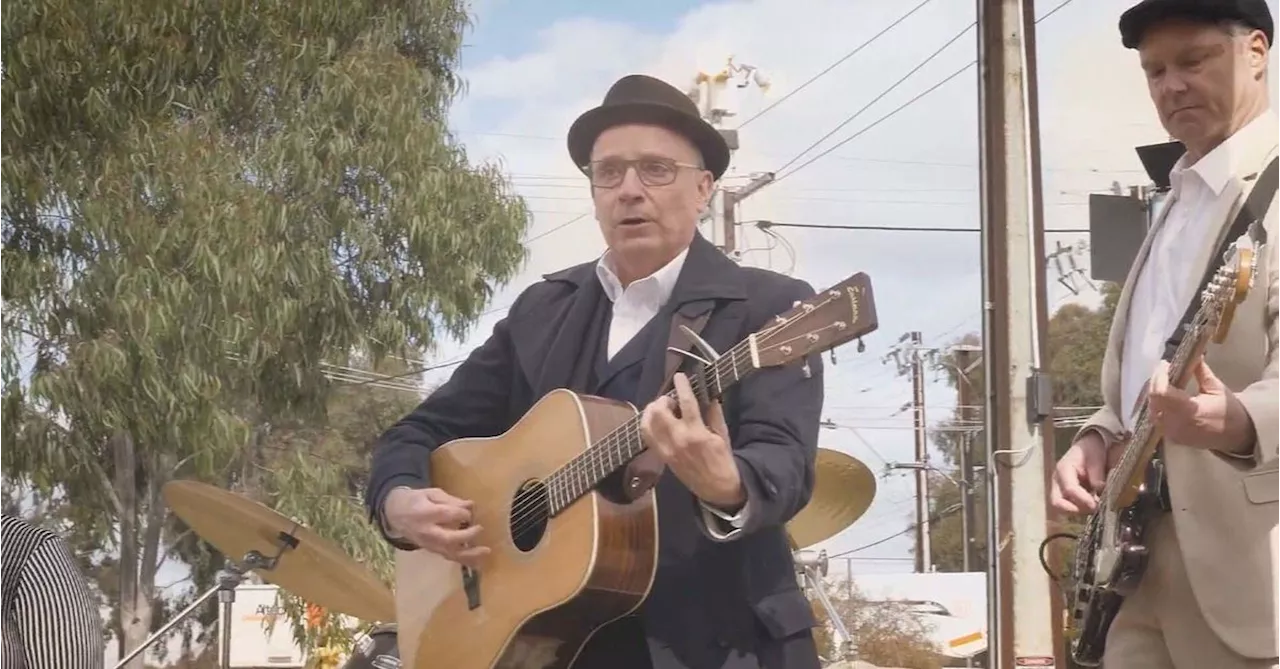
pixel 565 559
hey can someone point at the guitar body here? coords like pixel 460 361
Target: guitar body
pixel 1110 566
pixel 539 595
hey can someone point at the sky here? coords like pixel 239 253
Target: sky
pixel 531 68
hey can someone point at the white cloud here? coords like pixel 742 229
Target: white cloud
pixel 918 168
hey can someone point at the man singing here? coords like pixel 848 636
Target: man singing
pixel 725 594
pixel 1208 596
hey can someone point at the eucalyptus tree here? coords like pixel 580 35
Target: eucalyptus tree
pixel 204 206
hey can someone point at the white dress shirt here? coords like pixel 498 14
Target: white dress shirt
pixel 1161 293
pixel 633 307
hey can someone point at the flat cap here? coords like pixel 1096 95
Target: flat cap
pixel 1138 18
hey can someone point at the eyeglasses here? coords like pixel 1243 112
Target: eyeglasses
pixel 610 172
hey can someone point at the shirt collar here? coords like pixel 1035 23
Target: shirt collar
pixel 1234 157
pixel 663 280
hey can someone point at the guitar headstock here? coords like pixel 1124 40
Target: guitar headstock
pixel 830 318
pixel 1229 287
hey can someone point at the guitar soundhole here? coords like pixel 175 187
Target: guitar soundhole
pixel 530 512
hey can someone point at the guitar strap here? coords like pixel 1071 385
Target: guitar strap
pixel 643 472
pixel 1248 221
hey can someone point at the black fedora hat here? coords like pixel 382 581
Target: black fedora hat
pixel 637 98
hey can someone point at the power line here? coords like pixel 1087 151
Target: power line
pixel 874 100
pixel 895 228
pixel 913 100
pixel 832 66
pixel 566 224
pixel 949 511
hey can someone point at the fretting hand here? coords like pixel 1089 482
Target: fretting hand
pixel 697 451
pixel 1212 418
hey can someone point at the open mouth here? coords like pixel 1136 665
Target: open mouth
pixel 633 220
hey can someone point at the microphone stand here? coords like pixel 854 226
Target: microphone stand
pixel 231 576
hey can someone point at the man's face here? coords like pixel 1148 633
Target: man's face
pixel 1203 79
pixel 650 207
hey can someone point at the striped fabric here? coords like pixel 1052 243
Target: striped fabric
pixel 51 620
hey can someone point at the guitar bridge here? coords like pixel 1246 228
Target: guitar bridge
pixel 471 586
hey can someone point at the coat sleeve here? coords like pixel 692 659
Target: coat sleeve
pixel 1260 397
pixel 1106 423
pixel 474 402
pixel 773 428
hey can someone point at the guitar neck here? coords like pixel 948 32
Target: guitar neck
pixel 1124 477
pixel 609 453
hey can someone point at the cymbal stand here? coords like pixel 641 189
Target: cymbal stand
pixel 812 570
pixel 231 576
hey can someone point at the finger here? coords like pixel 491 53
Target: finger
pixel 471 556
pixel 1071 481
pixel 1159 383
pixel 654 424
pixel 447 515
pixel 689 411
pixel 453 540
pixel 1206 380
pixel 1057 501
pixel 441 497
pixel 715 421
pixel 1095 469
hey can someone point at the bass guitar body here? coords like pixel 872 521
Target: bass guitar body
pixel 551 579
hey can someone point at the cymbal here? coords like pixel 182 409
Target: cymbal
pixel 842 492
pixel 315 569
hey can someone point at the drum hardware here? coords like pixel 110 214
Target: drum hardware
pixel 229 578
pixel 843 490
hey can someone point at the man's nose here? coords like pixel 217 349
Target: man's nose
pixel 630 187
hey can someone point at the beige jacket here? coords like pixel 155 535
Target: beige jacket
pixel 1225 508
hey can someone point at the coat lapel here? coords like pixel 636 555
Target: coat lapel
pixel 708 276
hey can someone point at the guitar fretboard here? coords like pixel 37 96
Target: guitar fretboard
pixel 586 470
pixel 1144 426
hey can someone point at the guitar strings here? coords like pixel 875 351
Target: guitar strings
pixel 536 504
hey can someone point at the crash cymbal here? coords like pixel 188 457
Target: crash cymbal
pixel 314 569
pixel 842 491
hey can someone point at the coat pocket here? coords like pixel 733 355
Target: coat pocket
pixel 1262 487
pixel 785 613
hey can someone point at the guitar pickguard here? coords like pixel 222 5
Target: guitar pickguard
pixel 1110 561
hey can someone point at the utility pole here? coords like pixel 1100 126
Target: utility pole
pixel 912 344
pixel 730 207
pixel 1021 621
pixel 706 93
pixel 968 521
pixel 924 556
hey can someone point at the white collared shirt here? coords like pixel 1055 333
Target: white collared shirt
pixel 633 307
pixel 1161 293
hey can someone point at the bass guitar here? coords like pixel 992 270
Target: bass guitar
pixel 565 559
pixel 1110 555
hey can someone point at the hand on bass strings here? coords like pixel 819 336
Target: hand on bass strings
pixel 1081 474
pixel 435 521
pixel 697 451
pixel 1213 418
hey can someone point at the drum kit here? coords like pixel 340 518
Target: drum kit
pixel 284 553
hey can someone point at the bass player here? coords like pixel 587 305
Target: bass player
pixel 725 594
pixel 1208 595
